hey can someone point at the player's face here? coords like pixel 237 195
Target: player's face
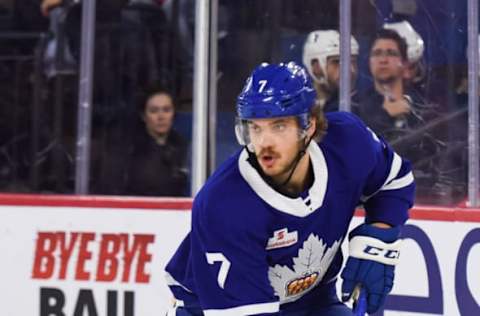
pixel 276 143
pixel 158 114
pixel 386 63
pixel 333 70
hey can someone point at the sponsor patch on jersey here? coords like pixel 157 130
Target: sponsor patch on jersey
pixel 282 238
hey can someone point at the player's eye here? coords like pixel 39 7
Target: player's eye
pixel 254 129
pixel 279 127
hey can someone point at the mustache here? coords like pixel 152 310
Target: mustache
pixel 268 152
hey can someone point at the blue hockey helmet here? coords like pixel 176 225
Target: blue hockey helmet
pixel 275 91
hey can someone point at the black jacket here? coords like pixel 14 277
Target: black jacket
pixel 145 168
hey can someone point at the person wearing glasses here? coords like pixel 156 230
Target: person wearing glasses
pixel 396 111
pixel 387 105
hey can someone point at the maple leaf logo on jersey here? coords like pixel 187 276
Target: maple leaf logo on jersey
pixel 311 264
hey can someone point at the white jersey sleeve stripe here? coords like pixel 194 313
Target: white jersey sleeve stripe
pixel 253 309
pixel 399 183
pixel 394 168
pixel 172 282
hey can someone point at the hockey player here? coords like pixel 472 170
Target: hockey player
pixel 268 224
pixel 321 57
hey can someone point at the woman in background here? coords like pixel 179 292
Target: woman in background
pixel 155 161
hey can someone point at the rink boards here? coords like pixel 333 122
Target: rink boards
pixel 105 256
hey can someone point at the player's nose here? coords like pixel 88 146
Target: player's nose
pixel 266 140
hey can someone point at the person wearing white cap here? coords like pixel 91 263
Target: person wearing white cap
pixel 321 57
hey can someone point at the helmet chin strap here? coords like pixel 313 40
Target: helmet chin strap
pixel 295 162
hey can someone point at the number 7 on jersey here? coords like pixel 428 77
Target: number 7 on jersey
pixel 213 257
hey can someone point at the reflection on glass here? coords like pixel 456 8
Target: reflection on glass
pixel 137 44
pixel 23 43
pixel 414 55
pixel 422 111
pixel 408 85
pixel 148 44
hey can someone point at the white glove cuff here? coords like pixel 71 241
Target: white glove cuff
pixel 369 248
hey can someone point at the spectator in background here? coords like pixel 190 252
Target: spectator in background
pixel 388 105
pixel 132 41
pixel 321 57
pixel 414 70
pixel 125 61
pixel 445 126
pixel 400 114
pixel 155 161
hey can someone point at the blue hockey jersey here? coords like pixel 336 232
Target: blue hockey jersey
pixel 252 250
